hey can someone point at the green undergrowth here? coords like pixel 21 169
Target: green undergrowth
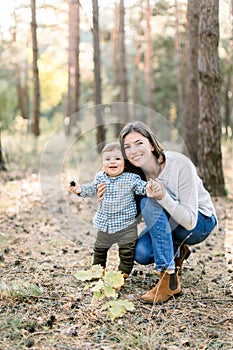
pixel 104 288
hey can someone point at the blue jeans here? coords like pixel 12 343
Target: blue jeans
pixel 162 236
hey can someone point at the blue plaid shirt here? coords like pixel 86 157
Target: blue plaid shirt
pixel 117 210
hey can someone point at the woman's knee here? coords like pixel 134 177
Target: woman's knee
pixel 154 215
pixel 139 256
pixel 142 255
pixel 150 209
pixel 204 227
pixel 196 238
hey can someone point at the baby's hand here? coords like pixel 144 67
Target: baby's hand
pixel 75 188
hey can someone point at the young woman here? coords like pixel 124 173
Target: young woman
pixel 177 210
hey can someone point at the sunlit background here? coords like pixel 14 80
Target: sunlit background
pixel 52 33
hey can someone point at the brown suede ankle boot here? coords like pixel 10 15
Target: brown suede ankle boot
pixel 168 286
pixel 184 254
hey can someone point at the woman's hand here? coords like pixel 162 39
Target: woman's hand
pixel 101 188
pixel 155 189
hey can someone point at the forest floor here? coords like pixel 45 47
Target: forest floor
pixel 44 307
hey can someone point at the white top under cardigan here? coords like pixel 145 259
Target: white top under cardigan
pixel 185 194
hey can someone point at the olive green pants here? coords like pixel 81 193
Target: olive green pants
pixel 126 240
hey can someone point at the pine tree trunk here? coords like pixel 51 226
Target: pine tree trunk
pixel 148 64
pixel 178 57
pixel 120 72
pixel 36 83
pixel 2 161
pixel 227 101
pixel 115 57
pixel 100 137
pixel 228 84
pixel 209 141
pixel 123 71
pixel 21 84
pixel 138 57
pixel 22 93
pixel 191 113
pixel 72 105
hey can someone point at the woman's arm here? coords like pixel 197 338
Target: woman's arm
pixel 184 208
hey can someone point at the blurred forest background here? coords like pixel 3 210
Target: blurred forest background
pixel 71 74
pixel 173 57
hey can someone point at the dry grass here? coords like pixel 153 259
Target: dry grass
pixel 43 306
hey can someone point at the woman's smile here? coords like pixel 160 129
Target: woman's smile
pixel 138 149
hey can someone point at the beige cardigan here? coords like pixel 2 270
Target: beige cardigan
pixel 185 193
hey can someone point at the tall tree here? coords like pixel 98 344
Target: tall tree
pixel 138 54
pixel 228 97
pixel 228 107
pixel 2 160
pixel 123 70
pixel 36 82
pixel 148 63
pixel 191 109
pixel 178 57
pixel 119 63
pixel 209 140
pixel 21 75
pixel 115 57
pixel 22 89
pixel 72 105
pixel 100 137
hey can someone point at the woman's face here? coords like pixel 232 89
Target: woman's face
pixel 138 149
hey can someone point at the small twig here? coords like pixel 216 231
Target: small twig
pixel 223 320
pixel 43 332
pixel 205 300
pixel 145 307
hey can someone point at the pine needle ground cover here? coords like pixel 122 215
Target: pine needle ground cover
pixel 44 306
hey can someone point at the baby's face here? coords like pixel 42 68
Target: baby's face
pixel 113 163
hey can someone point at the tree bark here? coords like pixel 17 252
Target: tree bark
pixel 123 70
pixel 36 82
pixel 148 64
pixel 191 113
pixel 228 84
pixel 21 84
pixel 100 137
pixel 2 160
pixel 119 60
pixel 72 105
pixel 209 140
pixel 22 91
pixel 227 100
pixel 138 56
pixel 178 57
pixel 115 57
